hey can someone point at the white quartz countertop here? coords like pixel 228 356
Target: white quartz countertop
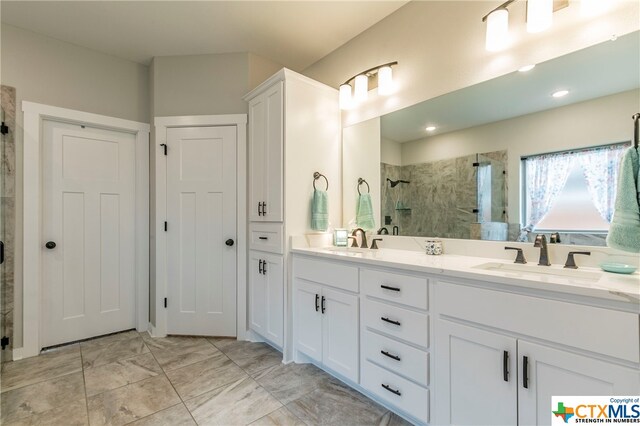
pixel 585 281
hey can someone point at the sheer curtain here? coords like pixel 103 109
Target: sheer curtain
pixel 546 176
pixel 600 167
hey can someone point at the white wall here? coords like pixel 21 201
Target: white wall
pixel 360 159
pixel 595 122
pixel 439 46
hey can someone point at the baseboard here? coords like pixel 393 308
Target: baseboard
pixel 17 354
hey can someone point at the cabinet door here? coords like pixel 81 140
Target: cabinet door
pixel 274 284
pixel 472 385
pixel 257 294
pixel 554 372
pixel 340 333
pixel 273 174
pixel 307 319
pixel 257 152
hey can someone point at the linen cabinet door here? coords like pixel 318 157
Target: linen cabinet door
pixel 273 273
pixel 257 294
pixel 257 156
pixel 340 341
pixel 307 318
pixel 273 173
pixel 547 372
pixel 476 378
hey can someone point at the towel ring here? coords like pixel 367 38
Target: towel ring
pixel 360 182
pixel 318 175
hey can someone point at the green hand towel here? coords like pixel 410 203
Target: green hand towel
pixel 320 211
pixel 624 232
pixel 364 212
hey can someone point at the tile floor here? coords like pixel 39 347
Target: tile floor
pixel 131 378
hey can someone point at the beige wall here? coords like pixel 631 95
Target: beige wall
pixel 260 69
pixel 595 122
pixel 390 152
pixel 439 46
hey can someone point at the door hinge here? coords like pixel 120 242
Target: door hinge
pixel 165 226
pixel 165 302
pixel 164 146
pixel 4 342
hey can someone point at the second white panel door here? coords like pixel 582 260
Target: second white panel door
pixel 201 231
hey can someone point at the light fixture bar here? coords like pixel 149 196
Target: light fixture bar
pixel 370 71
pixel 502 6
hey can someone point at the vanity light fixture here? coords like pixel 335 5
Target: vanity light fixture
pixel 560 93
pixel 527 68
pixel 430 128
pixel 539 15
pixel 497 30
pixel 383 76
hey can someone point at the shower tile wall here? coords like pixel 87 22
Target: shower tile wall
pixel 7 201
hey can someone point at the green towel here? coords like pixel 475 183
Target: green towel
pixel 624 232
pixel 320 211
pixel 364 212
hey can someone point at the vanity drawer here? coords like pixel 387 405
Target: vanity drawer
pixel 326 272
pixel 397 391
pixel 266 237
pixel 397 322
pixel 406 289
pixel 396 356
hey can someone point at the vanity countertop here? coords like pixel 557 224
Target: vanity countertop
pixel 585 281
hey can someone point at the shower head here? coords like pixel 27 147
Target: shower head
pixel 394 183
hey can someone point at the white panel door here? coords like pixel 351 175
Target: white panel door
pixel 201 221
pixel 308 319
pixel 552 372
pixel 340 332
pixel 475 383
pixel 89 214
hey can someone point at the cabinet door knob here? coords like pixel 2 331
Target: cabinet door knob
pixel 50 245
pixel 229 242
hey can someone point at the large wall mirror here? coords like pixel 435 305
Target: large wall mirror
pixel 532 151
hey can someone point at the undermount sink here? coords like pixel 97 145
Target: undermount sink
pixel 554 270
pixel 347 251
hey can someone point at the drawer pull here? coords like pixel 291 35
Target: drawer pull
pixel 263 238
pixel 386 287
pixel 390 321
pixel 385 353
pixel 390 389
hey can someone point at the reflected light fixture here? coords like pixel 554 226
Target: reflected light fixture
pixel 526 68
pixel 560 93
pixel 351 96
pixel 497 30
pixel 539 15
pixel 430 128
pixel 590 8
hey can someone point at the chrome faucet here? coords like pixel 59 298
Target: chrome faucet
pixel 363 240
pixel 541 242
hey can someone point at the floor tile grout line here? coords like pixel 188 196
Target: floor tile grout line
pixel 42 381
pixel 84 382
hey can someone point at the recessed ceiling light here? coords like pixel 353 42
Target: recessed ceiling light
pixel 527 68
pixel 560 93
pixel 430 128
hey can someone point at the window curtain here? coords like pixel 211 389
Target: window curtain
pixel 546 177
pixel 600 167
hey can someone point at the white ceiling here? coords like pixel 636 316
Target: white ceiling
pixel 604 69
pixel 295 34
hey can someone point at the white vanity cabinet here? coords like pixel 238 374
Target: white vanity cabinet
pixel 294 130
pixel 573 354
pixel 326 310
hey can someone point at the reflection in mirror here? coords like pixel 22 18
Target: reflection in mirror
pixel 465 172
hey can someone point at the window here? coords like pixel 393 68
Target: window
pixel 571 190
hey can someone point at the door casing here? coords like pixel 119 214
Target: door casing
pixel 159 243
pixel 32 211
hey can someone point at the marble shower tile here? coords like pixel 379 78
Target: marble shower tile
pixel 120 373
pixel 280 417
pixel 41 397
pixel 132 402
pixel 288 382
pixel 178 415
pixel 74 414
pixel 239 403
pixel 203 376
pixel 95 354
pixel 336 404
pixel 48 365
pixel 176 352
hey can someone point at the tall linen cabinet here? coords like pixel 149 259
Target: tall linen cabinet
pixel 294 131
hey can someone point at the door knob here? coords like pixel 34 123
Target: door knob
pixel 229 242
pixel 50 245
